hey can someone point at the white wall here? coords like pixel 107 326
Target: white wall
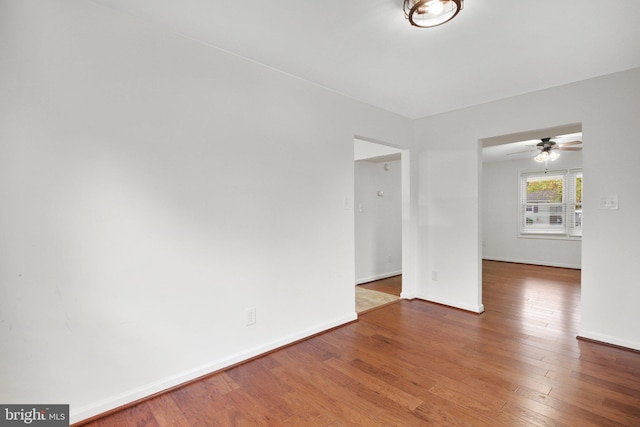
pixel 447 152
pixel 152 190
pixel 378 220
pixel 500 208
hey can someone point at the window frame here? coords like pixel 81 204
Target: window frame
pixel 570 214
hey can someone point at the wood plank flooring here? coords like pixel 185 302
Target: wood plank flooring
pixel 415 363
pixel 390 285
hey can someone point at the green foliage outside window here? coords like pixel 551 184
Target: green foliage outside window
pixel 546 191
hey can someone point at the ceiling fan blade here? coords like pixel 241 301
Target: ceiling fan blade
pixel 519 152
pixel 570 148
pixel 565 144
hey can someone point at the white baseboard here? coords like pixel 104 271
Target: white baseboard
pixel 362 280
pixel 534 262
pixel 113 402
pixel 608 339
pixel 472 308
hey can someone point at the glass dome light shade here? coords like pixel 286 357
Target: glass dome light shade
pixel 431 13
pixel 542 156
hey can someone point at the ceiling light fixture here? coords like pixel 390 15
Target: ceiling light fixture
pixel 431 13
pixel 546 154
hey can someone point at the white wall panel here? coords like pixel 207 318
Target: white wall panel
pixel 153 189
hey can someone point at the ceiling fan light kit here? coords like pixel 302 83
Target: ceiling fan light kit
pixel 431 13
pixel 548 149
pixel 543 156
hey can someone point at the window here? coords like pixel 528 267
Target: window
pixel 551 203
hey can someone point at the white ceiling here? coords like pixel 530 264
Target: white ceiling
pixel 367 50
pixel 373 152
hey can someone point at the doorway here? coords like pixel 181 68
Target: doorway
pixel 378 223
pixel 518 225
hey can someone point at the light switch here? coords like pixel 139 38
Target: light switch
pixel 609 202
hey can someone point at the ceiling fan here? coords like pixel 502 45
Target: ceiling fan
pixel 547 149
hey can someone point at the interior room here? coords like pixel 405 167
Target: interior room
pixel 503 163
pixel 177 184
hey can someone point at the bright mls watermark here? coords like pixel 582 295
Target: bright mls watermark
pixel 34 415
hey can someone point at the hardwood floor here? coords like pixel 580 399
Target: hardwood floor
pixel 390 285
pixel 417 363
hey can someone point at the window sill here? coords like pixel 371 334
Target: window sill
pixel 548 236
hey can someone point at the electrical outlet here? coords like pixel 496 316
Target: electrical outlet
pixel 434 276
pixel 251 316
